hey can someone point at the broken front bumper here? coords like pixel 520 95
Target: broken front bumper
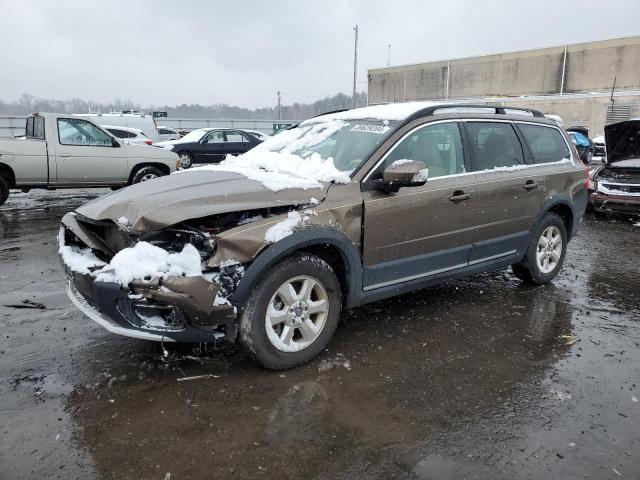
pixel 615 203
pixel 179 309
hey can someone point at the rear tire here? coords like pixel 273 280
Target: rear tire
pixel 545 253
pixel 292 312
pixel 146 174
pixel 4 190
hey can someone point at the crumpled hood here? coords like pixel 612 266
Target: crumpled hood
pixel 622 140
pixel 168 200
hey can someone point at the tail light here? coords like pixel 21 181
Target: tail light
pixel 587 180
pixel 148 142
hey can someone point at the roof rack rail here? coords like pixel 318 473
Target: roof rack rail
pixel 464 108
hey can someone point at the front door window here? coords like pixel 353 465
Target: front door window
pixel 439 146
pixel 75 131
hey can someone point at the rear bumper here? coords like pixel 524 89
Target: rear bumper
pixel 614 203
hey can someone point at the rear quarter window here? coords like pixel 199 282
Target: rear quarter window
pixel 35 128
pixel 547 144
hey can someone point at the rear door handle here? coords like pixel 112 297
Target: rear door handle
pixel 459 196
pixel 530 185
pixel 65 154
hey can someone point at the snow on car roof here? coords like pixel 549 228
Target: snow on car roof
pixel 391 111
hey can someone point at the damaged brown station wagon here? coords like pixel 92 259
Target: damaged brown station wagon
pixel 346 208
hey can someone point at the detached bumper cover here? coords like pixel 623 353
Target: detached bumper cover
pixel 94 314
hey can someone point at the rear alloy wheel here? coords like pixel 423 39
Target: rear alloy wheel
pixel 292 312
pixel 145 174
pixel 185 159
pixel 4 190
pixel 546 252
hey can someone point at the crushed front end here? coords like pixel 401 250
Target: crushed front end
pixel 615 188
pixel 169 307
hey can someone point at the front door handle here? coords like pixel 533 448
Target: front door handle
pixel 459 196
pixel 65 154
pixel 530 185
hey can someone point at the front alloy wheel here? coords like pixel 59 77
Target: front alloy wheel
pixel 296 314
pixel 292 312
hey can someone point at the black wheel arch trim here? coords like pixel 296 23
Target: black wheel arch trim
pixel 575 205
pixel 308 237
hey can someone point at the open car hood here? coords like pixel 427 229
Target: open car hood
pixel 622 140
pixel 168 200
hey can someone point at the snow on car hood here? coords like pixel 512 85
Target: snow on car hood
pixel 622 140
pixel 199 193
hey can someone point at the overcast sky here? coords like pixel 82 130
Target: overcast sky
pixel 241 52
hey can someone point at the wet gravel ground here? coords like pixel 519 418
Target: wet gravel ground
pixel 479 378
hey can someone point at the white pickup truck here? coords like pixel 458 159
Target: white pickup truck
pixel 64 151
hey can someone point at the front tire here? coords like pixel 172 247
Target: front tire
pixel 145 174
pixel 292 312
pixel 4 190
pixel 546 252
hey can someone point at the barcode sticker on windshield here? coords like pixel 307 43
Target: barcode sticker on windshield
pixel 380 129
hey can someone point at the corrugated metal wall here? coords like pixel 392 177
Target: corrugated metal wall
pixel 584 67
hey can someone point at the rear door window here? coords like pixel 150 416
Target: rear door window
pixel 493 145
pixel 215 136
pixel 547 144
pixel 235 137
pixel 120 133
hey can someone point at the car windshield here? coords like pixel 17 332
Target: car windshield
pixel 194 136
pixel 348 143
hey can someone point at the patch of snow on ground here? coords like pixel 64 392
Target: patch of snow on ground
pixel 283 228
pixel 144 260
pixel 338 361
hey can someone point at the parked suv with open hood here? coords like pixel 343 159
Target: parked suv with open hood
pixel 615 187
pixel 346 208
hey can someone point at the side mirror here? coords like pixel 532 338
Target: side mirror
pixel 115 143
pixel 402 173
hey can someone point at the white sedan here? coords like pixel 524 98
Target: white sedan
pixel 130 135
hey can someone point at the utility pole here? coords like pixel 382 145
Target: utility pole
pixel 279 108
pixel 389 56
pixel 355 68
